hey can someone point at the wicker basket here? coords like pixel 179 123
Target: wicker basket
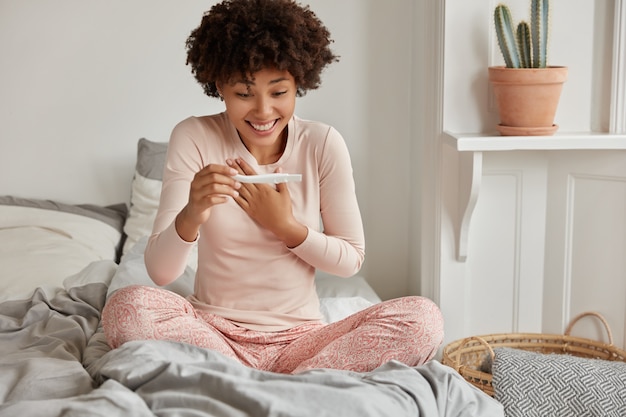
pixel 472 356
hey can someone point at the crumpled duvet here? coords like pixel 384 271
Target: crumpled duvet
pixel 171 377
pixel 54 362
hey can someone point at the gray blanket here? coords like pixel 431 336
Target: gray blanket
pixel 54 362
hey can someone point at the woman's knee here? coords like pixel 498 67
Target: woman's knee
pixel 132 312
pixel 425 311
pixel 149 298
pixel 421 316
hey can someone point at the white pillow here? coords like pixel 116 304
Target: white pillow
pixel 40 247
pixel 146 193
pixel 330 286
pixel 144 202
pixel 337 308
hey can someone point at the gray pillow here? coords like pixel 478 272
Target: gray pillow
pixel 151 158
pixel 535 384
pixel 114 215
pixel 145 191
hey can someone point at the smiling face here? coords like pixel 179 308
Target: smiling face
pixel 260 108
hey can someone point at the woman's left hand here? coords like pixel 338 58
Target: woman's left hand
pixel 268 206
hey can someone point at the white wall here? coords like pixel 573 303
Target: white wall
pixel 576 33
pixel 82 81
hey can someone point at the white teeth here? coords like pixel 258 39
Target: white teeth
pixel 264 127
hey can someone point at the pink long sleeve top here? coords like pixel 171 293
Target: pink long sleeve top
pixel 245 274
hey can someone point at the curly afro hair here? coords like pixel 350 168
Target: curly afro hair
pixel 237 38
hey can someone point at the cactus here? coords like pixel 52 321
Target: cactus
pixel 524 43
pixel 516 50
pixel 539 10
pixel 506 40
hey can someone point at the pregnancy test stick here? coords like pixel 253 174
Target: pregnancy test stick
pixel 274 178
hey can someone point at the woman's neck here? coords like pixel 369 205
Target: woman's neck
pixel 268 154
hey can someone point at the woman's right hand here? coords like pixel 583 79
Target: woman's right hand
pixel 210 186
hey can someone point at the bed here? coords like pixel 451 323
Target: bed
pixel 60 262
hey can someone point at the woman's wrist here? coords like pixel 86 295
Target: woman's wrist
pixel 186 231
pixel 293 235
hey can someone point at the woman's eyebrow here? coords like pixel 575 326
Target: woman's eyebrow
pixel 251 82
pixel 277 80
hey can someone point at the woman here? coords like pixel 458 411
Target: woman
pixel 259 244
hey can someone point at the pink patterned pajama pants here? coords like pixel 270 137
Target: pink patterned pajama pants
pixel 407 329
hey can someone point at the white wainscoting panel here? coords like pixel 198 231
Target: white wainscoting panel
pixel 493 259
pixel 586 243
pixel 506 245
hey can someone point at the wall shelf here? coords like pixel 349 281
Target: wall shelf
pixel 475 142
pixel 472 145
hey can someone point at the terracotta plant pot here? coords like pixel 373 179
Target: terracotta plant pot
pixel 527 99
